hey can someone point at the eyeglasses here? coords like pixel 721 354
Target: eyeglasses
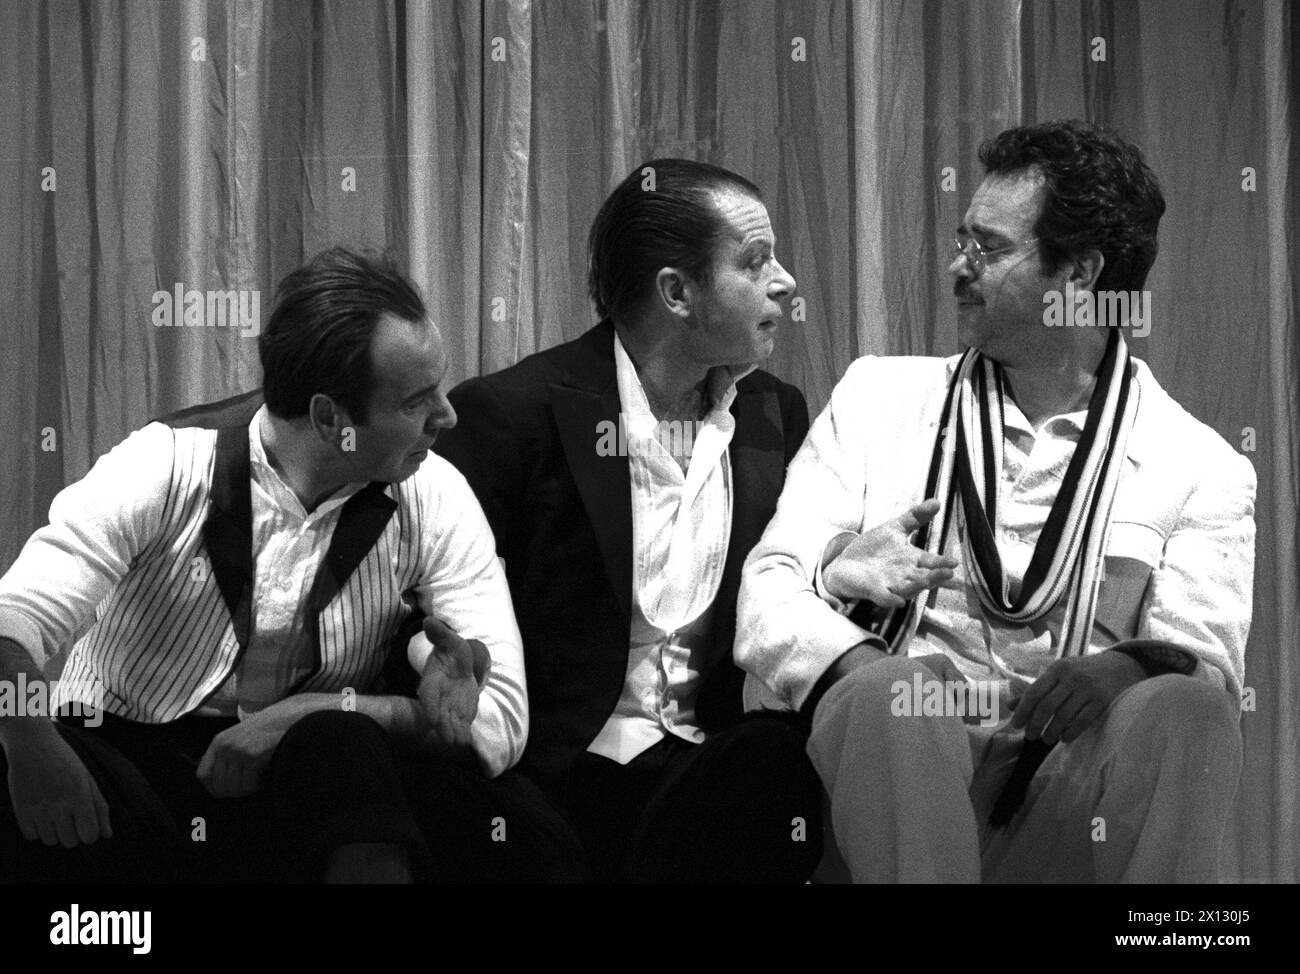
pixel 977 254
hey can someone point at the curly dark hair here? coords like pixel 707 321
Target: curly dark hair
pixel 317 339
pixel 1100 194
pixel 640 230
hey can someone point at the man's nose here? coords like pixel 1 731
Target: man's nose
pixel 442 416
pixel 782 283
pixel 961 268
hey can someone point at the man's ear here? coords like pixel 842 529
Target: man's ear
pixel 1086 269
pixel 675 291
pixel 328 419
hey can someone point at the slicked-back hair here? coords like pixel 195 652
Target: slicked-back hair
pixel 317 339
pixel 1099 194
pixel 662 215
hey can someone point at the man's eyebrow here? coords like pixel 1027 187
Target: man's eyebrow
pixel 756 246
pixel 421 393
pixel 986 231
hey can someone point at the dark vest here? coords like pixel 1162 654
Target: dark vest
pixel 228 532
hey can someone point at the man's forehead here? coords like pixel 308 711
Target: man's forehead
pixel 404 353
pixel 1014 200
pixel 744 216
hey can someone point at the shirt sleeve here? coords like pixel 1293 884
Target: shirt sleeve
pixel 787 634
pixel 463 583
pixel 1201 593
pixel 97 528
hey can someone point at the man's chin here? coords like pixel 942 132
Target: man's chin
pixel 765 345
pixel 407 468
pixel 968 325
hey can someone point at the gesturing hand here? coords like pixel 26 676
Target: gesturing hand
pixel 450 683
pixel 1072 693
pixel 882 564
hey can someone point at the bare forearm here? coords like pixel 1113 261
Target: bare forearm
pixel 401 717
pixel 15 661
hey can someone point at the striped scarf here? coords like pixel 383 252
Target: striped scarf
pixel 965 469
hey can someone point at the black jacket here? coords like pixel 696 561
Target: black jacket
pixel 562 515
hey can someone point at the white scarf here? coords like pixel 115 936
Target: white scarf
pixel 965 469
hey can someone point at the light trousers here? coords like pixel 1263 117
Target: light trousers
pixel 1141 796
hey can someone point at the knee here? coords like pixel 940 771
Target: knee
pixel 775 749
pixel 1181 711
pixel 327 733
pixel 874 687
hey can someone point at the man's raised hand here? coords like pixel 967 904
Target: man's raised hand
pixel 883 566
pixel 453 676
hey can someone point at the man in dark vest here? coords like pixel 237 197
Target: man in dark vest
pixel 626 475
pixel 230 580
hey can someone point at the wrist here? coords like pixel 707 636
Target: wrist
pixel 829 569
pixel 860 655
pixel 1156 657
pixel 867 651
pixel 25 731
pixel 1132 668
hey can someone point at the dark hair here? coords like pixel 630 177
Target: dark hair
pixel 317 339
pixel 1099 194
pixel 661 215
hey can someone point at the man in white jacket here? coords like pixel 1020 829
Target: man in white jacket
pixel 1013 588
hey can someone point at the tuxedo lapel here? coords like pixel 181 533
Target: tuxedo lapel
pixel 228 530
pixel 588 398
pixel 585 401
pixel 362 520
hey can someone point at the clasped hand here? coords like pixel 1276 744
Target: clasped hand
pixel 1072 693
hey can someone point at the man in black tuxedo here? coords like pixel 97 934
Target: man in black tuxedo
pixel 626 475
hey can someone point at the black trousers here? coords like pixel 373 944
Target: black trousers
pixel 744 806
pixel 335 778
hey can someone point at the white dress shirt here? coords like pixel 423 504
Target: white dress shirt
pixel 681 524
pixel 290 544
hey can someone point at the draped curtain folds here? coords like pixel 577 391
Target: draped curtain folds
pixel 218 144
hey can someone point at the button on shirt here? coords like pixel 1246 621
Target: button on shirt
pixel 681 523
pixel 290 545
pixel 954 621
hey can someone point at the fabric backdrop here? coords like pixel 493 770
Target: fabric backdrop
pixel 215 145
